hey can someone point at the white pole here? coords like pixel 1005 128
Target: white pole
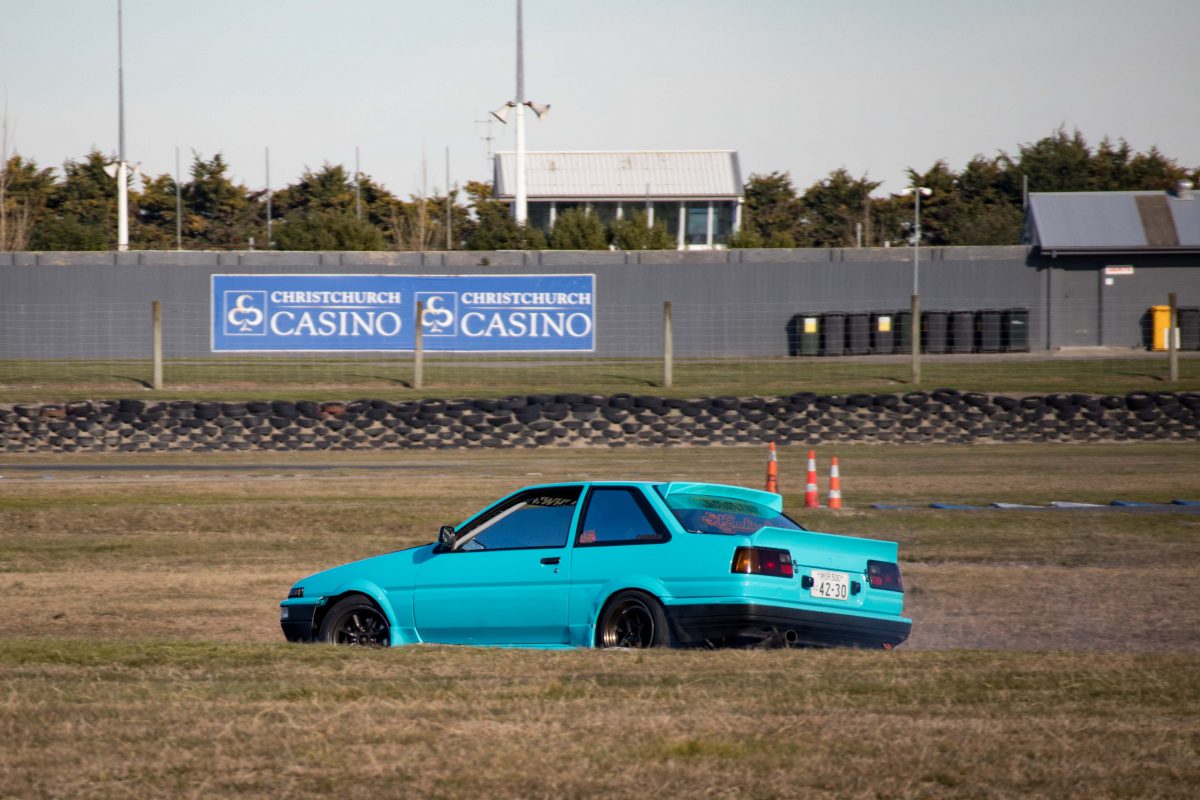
pixel 521 207
pixel 178 204
pixel 521 210
pixel 122 169
pixel 122 207
pixel 267 163
pixel 357 187
pixel 917 241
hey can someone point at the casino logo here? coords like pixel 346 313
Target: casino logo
pixel 245 313
pixel 440 310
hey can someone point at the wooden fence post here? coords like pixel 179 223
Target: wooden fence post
pixel 419 349
pixel 668 348
pixel 156 320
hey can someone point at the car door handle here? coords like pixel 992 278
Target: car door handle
pixel 551 560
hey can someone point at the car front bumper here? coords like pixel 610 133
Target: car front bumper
pixel 718 622
pixel 298 623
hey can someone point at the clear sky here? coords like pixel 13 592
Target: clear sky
pixel 875 86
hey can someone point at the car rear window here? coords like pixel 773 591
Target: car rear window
pixel 700 513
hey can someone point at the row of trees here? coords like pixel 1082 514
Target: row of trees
pixel 983 204
pixel 324 210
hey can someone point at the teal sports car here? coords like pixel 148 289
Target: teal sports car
pixel 614 564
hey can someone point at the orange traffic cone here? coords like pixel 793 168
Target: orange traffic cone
pixel 835 485
pixel 810 482
pixel 772 471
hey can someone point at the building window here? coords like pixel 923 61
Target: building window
pixel 669 214
pixel 605 212
pixel 539 216
pixel 697 224
pixel 631 207
pixel 723 224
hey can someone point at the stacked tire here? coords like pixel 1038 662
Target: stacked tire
pixel 583 420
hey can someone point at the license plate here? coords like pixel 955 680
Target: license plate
pixel 830 585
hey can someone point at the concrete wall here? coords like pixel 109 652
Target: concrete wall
pixel 734 302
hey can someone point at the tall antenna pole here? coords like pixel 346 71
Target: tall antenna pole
pixel 421 218
pixel 487 139
pixel 357 187
pixel 178 204
pixel 122 167
pixel 521 208
pixel 267 157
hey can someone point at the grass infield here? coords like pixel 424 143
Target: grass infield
pixel 1054 653
pixel 313 377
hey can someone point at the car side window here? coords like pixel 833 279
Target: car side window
pixel 619 515
pixel 539 518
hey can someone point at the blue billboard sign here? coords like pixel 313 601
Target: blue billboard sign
pixel 461 313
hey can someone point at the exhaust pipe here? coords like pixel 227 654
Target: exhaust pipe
pixel 790 637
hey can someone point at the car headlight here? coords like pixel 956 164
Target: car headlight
pixel 295 591
pixel 283 612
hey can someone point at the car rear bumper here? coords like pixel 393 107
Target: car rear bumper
pixel 298 625
pixel 716 622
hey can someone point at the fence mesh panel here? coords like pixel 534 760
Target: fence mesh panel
pixel 732 348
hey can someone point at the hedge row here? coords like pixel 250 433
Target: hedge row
pixel 566 420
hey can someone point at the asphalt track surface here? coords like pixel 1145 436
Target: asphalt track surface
pixel 211 467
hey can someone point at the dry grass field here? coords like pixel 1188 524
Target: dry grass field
pixel 1054 653
pixel 314 378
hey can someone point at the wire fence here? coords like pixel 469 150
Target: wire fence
pixel 716 348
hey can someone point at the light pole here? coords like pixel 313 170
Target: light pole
pixel 917 192
pixel 122 165
pixel 120 169
pixel 521 205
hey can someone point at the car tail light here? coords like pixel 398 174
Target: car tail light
pixel 884 575
pixel 762 561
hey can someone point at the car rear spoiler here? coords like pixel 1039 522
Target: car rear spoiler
pixel 769 499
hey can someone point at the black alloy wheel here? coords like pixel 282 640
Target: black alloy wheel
pixel 633 620
pixel 356 622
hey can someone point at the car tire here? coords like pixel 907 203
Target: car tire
pixel 634 620
pixel 357 622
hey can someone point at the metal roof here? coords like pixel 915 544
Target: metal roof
pixel 589 175
pixel 1113 222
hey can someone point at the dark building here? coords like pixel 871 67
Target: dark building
pixel 1107 257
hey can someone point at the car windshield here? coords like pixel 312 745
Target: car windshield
pixel 709 514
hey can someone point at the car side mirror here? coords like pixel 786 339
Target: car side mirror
pixel 446 539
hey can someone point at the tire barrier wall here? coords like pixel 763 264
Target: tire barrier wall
pixel 566 420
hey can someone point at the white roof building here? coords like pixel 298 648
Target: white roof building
pixel 697 193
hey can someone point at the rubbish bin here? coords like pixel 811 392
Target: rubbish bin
pixel 1160 321
pixel 933 331
pixel 1188 318
pixel 962 331
pixel 804 337
pixel 883 333
pixel 987 330
pixel 1014 330
pixel 858 333
pixel 833 333
pixel 902 325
